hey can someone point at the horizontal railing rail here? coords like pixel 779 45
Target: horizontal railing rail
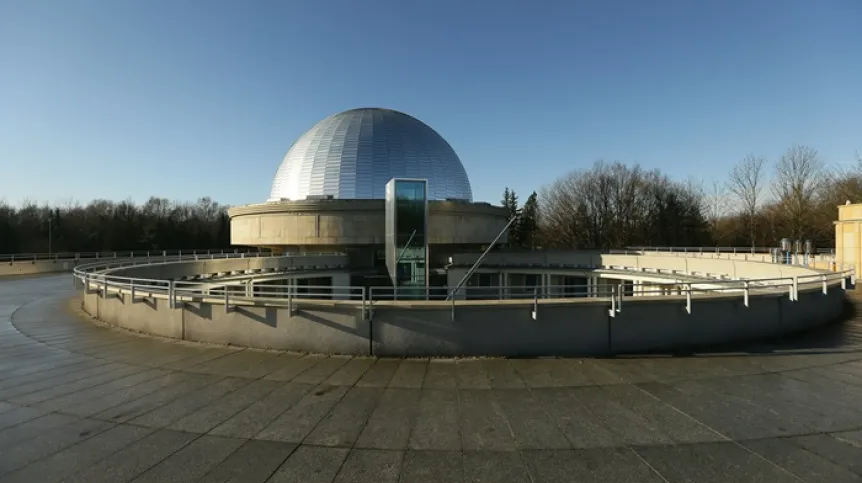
pixel 64 256
pixel 739 250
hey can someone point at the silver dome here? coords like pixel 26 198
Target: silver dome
pixel 352 155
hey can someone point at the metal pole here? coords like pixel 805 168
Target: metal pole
pixel 49 235
pixel 398 260
pixel 406 246
pixel 481 257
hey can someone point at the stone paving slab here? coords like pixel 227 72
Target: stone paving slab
pixel 81 402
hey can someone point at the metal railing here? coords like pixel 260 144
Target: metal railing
pixel 66 256
pixel 736 250
pixel 93 277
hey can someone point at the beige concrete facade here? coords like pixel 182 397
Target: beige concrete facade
pixel 36 267
pixel 848 233
pixel 331 224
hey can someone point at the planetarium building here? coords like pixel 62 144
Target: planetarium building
pixel 379 185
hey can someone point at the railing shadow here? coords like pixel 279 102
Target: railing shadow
pixel 844 334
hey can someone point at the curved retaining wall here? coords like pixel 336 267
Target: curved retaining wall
pixel 564 327
pixel 496 328
pixel 36 267
pixel 178 269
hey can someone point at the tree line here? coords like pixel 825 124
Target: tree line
pixel 613 205
pixel 609 205
pixel 102 225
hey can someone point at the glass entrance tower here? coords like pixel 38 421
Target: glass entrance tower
pixel 407 236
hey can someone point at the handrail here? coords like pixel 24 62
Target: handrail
pixel 64 256
pixel 245 292
pixel 739 250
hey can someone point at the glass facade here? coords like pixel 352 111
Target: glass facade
pixel 406 235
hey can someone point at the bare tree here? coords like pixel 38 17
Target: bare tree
pixel 746 182
pixel 799 177
pixel 714 204
pixel 614 206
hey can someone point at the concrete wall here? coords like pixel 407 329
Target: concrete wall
pixel 331 328
pixel 357 222
pixel 35 267
pixel 499 329
pixel 695 266
pixel 817 261
pixel 495 328
pixel 848 234
pixel 663 323
pixel 174 270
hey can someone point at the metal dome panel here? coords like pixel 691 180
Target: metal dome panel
pixel 353 154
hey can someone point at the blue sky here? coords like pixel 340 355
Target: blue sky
pixel 182 99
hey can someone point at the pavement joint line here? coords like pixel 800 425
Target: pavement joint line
pixel 59 375
pixel 92 434
pixel 649 465
pixel 111 381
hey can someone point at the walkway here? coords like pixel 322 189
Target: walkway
pixel 84 403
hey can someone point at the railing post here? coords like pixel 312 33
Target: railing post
pixel 535 303
pixel 226 300
pixel 104 286
pixel 132 289
pixel 620 298
pixel 825 286
pixel 613 311
pixel 171 294
pixel 745 293
pixel 688 298
pixel 795 288
pixel 290 296
pixel 453 306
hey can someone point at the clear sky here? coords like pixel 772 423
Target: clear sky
pixel 188 98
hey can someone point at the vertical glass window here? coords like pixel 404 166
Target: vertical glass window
pixel 406 237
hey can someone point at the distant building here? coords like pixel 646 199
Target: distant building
pixel 848 234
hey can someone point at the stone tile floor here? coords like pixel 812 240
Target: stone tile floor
pixel 81 402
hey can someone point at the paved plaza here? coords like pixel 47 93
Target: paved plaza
pixel 80 402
